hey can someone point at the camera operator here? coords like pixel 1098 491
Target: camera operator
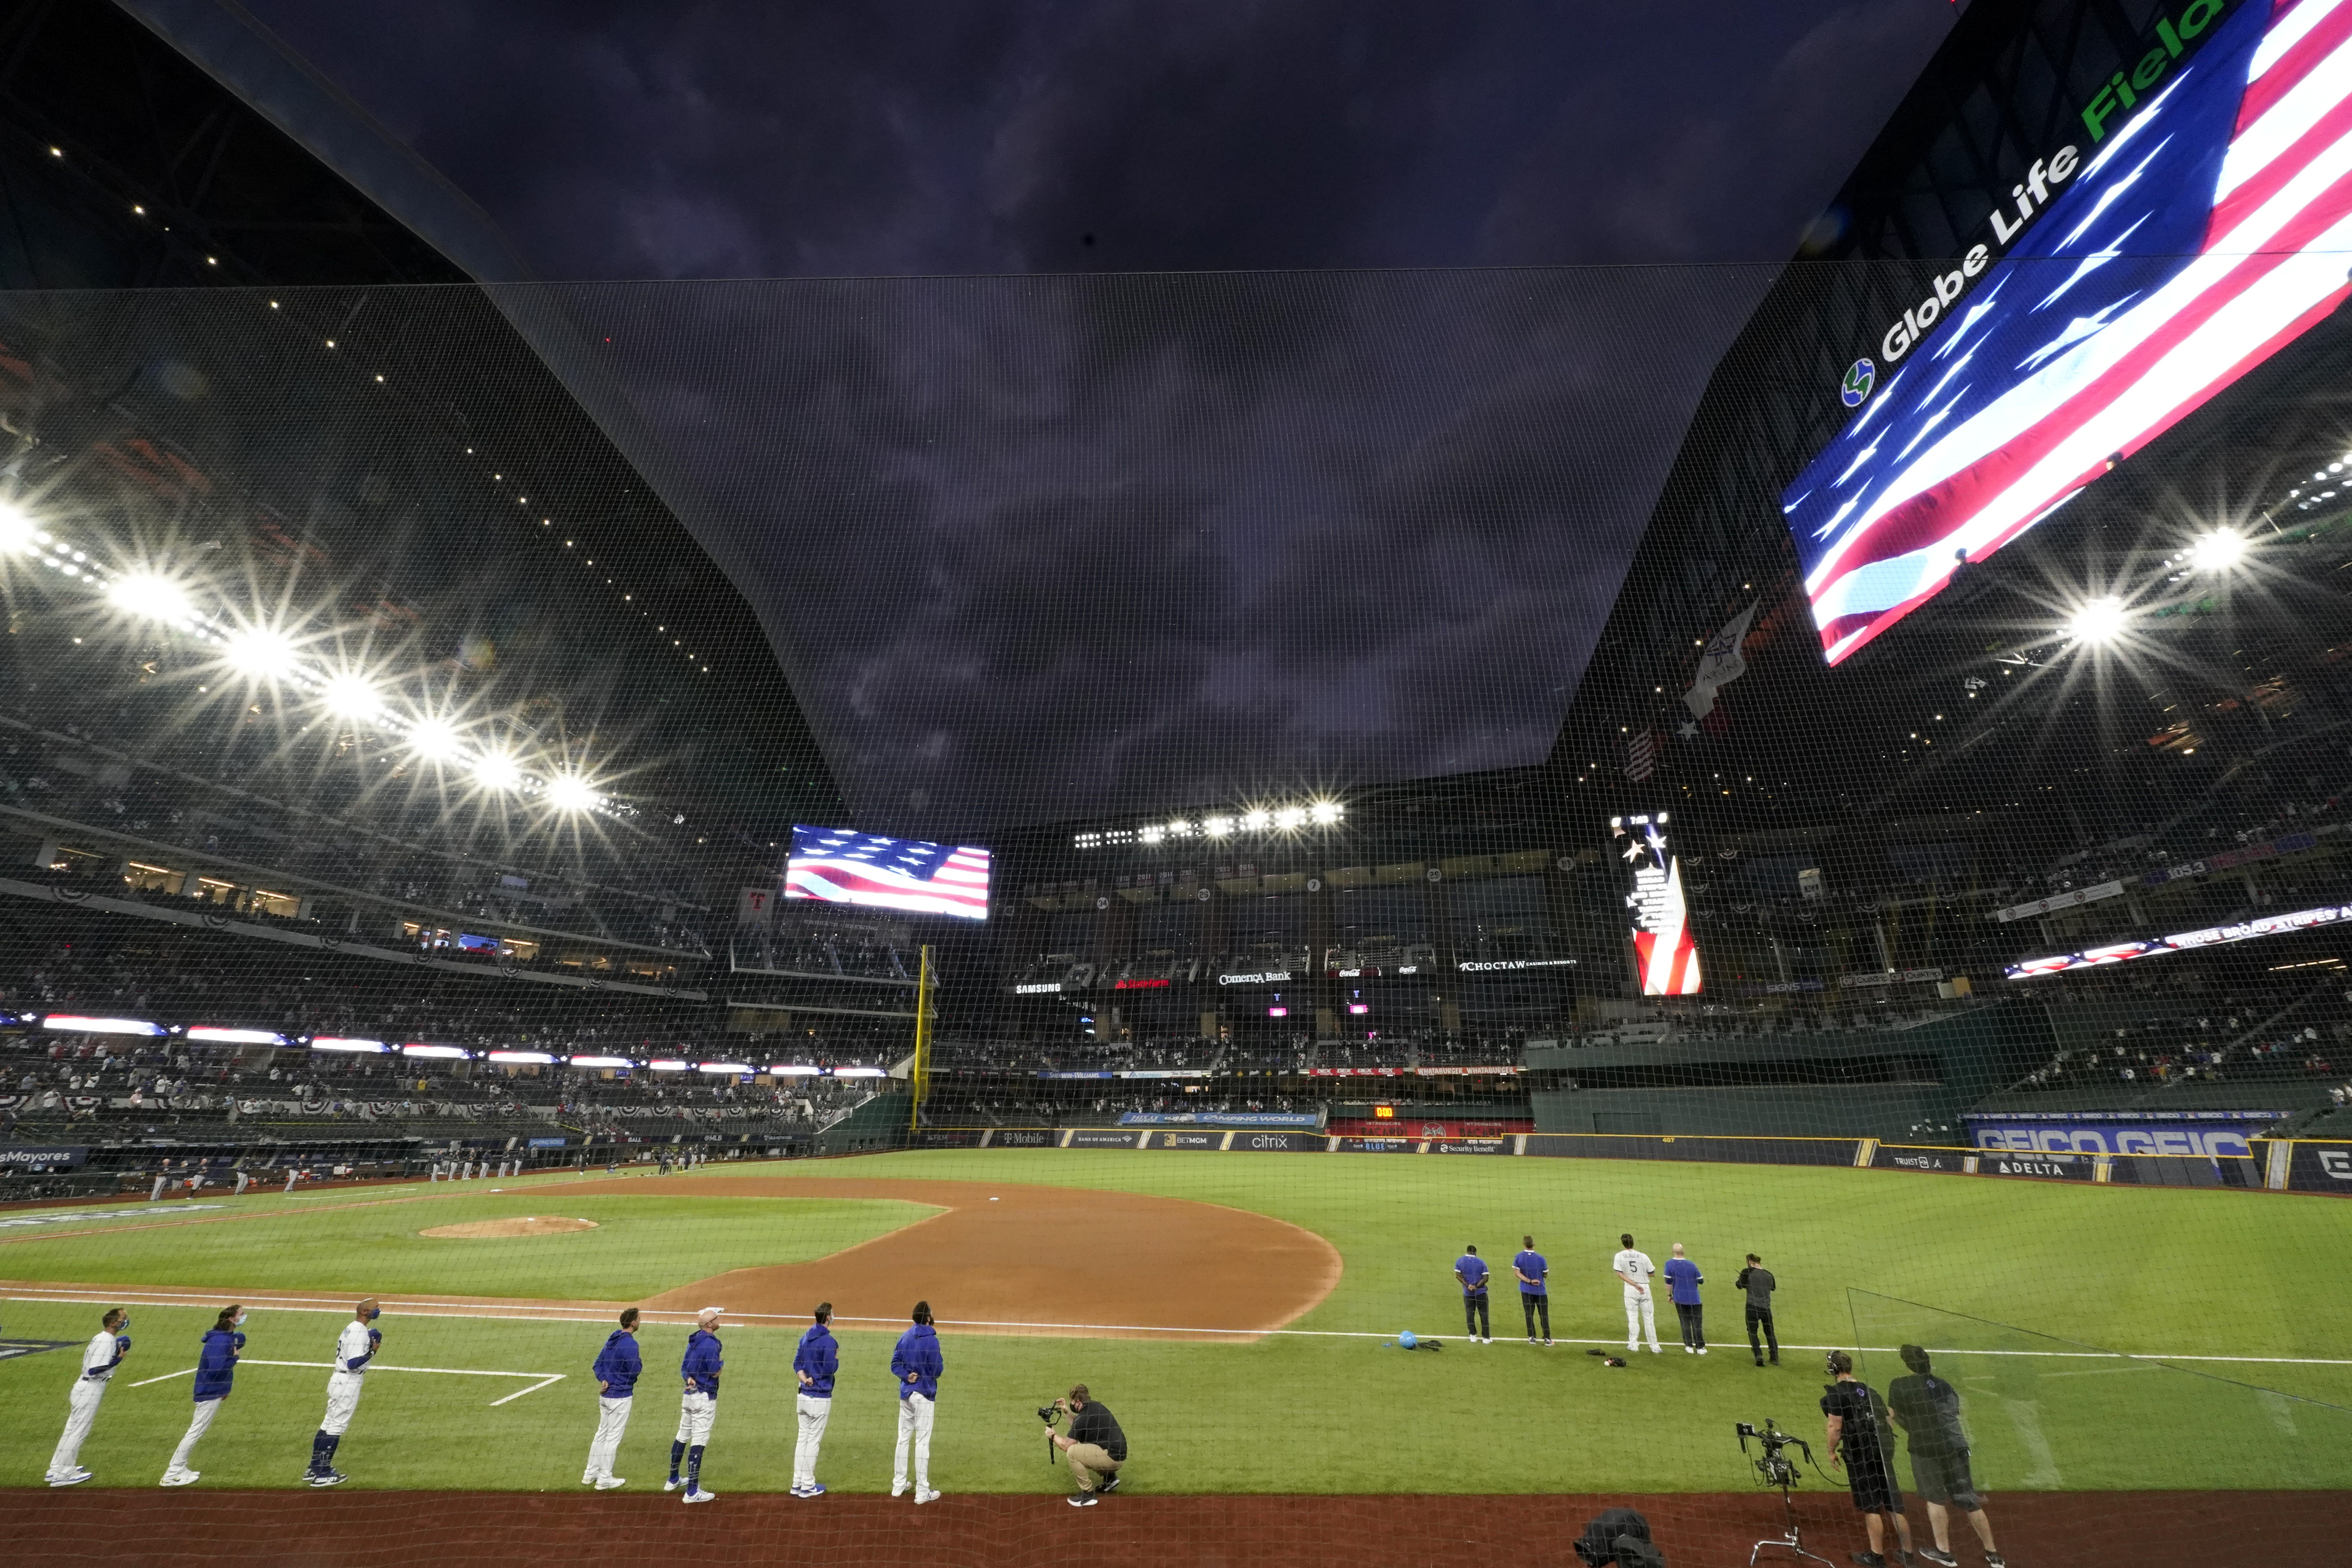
pixel 1927 1409
pixel 1857 1438
pixel 1094 1446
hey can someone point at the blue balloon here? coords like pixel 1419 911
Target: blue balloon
pixel 1405 1341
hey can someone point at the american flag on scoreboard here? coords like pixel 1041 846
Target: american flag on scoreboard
pixel 836 866
pixel 1641 755
pixel 2206 232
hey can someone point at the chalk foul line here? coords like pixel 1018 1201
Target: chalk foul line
pixel 545 1378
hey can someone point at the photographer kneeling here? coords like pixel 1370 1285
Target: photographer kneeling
pixel 1094 1446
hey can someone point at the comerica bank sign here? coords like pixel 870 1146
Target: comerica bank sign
pixel 2117 98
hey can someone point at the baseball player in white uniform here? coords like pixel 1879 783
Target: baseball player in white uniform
pixel 354 1348
pixel 99 1359
pixel 1635 1270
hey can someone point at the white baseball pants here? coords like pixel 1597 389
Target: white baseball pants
pixel 696 1412
pixel 343 1401
pixel 197 1426
pixel 815 1412
pixel 612 1421
pixel 1640 1316
pixel 82 1409
pixel 915 1416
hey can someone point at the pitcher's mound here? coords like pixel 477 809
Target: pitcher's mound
pixel 531 1225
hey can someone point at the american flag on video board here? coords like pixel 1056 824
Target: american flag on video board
pixel 836 866
pixel 2205 232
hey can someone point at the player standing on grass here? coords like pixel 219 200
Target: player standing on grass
pixel 354 1348
pixel 99 1359
pixel 1682 1280
pixel 216 1372
pixel 815 1361
pixel 917 1365
pixel 618 1367
pixel 1471 1270
pixel 1635 1270
pixel 698 1407
pixel 1534 1276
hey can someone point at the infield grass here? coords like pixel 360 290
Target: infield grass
pixel 1961 1264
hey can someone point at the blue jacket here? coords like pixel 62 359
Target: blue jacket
pixel 702 1364
pixel 918 1353
pixel 1684 1276
pixel 618 1364
pixel 217 1363
pixel 819 1357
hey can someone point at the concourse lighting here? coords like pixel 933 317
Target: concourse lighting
pixel 526 1058
pixel 236 1036
pixel 794 1069
pixel 74 1023
pixel 259 653
pixel 2217 551
pixel 670 1066
pixel 439 1053
pixel 859 1072
pixel 352 697
pixel 570 792
pixel 145 593
pixel 1325 812
pixel 335 1043
pixel 2097 621
pixel 736 1068
pixel 598 1062
pixel 496 770
pixel 436 739
pixel 15 530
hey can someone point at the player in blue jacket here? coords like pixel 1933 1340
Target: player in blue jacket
pixel 618 1367
pixel 814 1362
pixel 1470 1269
pixel 1683 1278
pixel 216 1371
pixel 916 1364
pixel 699 1407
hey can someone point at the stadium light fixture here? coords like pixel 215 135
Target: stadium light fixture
pixel 496 770
pixel 338 1043
pixel 259 653
pixel 570 792
pixel 75 1024
pixel 1325 812
pixel 2217 551
pixel 598 1062
pixel 353 697
pixel 146 593
pixel 436 739
pixel 15 530
pixel 438 1053
pixel 2099 621
pixel 1256 821
pixel 1290 818
pixel 1217 827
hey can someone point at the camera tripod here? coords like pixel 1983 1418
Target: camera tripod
pixel 1792 1538
pixel 1776 1470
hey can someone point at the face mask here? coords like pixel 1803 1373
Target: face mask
pixel 123 1327
pixel 239 1322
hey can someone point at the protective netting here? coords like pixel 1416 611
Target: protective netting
pixel 493 781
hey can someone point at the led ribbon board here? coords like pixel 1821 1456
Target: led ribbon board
pixel 2156 260
pixel 834 866
pixel 1662 938
pixel 2186 941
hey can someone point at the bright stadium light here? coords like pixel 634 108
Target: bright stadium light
pixel 570 792
pixel 436 739
pixel 1325 812
pixel 2097 621
pixel 1256 821
pixel 15 530
pixel 496 770
pixel 2217 551
pixel 1290 818
pixel 145 593
pixel 353 697
pixel 259 653
pixel 1217 827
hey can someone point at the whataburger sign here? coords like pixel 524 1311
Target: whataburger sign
pixel 2119 95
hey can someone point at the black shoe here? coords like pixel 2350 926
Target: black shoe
pixel 1759 1360
pixel 1940 1559
pixel 1107 1484
pixel 1866 1560
pixel 1083 1499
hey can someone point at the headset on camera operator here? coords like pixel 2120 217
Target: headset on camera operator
pixel 1094 1445
pixel 1855 1420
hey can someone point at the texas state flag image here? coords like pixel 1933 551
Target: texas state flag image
pixel 2207 226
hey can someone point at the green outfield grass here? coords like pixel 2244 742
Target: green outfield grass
pixel 1867 1257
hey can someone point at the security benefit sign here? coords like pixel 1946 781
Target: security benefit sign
pixel 1662 947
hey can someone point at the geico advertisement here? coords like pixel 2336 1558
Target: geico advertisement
pixel 2117 1138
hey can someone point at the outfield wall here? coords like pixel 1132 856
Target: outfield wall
pixel 2302 1165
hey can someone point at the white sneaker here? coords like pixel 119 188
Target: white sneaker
pixel 922 1496
pixel 179 1478
pixel 897 1488
pixel 1702 1349
pixel 672 1484
pixel 701 1494
pixel 1655 1350
pixel 70 1479
pixel 608 1483
pixel 588 1478
pixel 1687 1350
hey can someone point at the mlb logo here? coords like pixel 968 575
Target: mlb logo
pixel 1859 377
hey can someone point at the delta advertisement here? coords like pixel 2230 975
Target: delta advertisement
pixel 2211 1134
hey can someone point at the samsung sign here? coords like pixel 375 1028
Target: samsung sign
pixel 2224 1134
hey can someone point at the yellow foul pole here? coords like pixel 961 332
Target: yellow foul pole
pixel 919 1078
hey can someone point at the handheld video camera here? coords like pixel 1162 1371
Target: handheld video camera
pixel 1774 1469
pixel 1051 1414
